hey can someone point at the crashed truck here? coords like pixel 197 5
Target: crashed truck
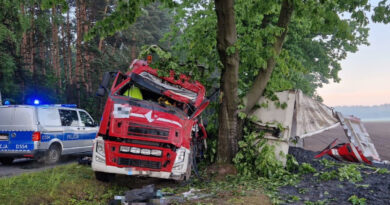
pixel 302 117
pixel 150 124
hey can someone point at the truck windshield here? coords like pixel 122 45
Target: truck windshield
pixel 135 91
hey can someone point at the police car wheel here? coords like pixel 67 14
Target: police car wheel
pixel 6 160
pixel 53 154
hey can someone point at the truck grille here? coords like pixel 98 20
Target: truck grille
pixel 139 163
pixel 147 131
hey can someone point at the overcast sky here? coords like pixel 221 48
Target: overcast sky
pixel 365 77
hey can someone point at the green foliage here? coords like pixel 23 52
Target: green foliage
pixel 382 12
pixel 125 14
pixel 349 172
pixel 355 200
pixel 11 29
pixel 383 171
pixel 326 176
pixel 292 164
pixel 306 168
pixel 257 158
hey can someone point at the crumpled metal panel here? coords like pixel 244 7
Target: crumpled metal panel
pixel 312 117
pixel 358 135
pixel 302 117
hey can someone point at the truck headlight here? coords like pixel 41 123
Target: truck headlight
pixel 145 151
pixel 135 150
pixel 180 156
pixel 178 166
pixel 156 152
pixel 125 149
pixel 100 148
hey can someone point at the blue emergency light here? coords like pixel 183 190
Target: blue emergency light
pixel 7 102
pixel 36 102
pixel 69 105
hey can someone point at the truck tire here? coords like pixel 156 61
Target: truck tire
pixel 53 155
pixel 6 160
pixel 104 177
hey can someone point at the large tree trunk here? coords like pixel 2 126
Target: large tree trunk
pixel 69 50
pixel 31 38
pixel 64 51
pixel 86 68
pixel 227 37
pixel 24 44
pixel 55 53
pixel 100 47
pixel 261 81
pixel 79 63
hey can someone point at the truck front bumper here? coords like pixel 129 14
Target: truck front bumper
pixel 99 165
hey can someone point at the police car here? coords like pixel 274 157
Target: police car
pixel 44 132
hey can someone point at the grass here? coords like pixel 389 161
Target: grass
pixel 68 184
pixel 76 184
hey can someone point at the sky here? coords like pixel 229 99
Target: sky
pixel 365 75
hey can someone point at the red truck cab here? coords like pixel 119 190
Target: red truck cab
pixel 155 134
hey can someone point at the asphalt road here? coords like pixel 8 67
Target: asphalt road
pixel 20 166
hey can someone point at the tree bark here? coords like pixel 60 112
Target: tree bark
pixel 100 47
pixel 261 81
pixel 69 50
pixel 64 50
pixel 79 62
pixel 86 69
pixel 227 37
pixel 55 53
pixel 31 39
pixel 23 46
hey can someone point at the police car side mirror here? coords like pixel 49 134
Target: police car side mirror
pixel 100 92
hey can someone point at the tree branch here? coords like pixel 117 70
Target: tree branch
pixel 261 81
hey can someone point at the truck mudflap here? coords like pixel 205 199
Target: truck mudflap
pixel 101 164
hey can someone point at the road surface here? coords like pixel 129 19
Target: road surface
pixel 27 165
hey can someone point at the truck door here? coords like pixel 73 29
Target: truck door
pixel 72 131
pixel 88 130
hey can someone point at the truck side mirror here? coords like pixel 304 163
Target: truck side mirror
pixel 100 92
pixel 103 86
pixel 106 80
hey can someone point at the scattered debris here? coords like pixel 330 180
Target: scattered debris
pixel 138 196
pixel 344 152
pixel 293 116
pixel 194 194
pixel 85 160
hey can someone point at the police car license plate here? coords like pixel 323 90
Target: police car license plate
pixel 3 137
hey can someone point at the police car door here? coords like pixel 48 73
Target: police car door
pixel 88 129
pixel 70 122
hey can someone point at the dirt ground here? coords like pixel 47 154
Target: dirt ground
pixel 374 187
pixel 379 133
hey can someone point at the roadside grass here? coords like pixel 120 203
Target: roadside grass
pixel 76 184
pixel 67 184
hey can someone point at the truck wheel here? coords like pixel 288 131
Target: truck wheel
pixel 6 160
pixel 104 177
pixel 53 154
